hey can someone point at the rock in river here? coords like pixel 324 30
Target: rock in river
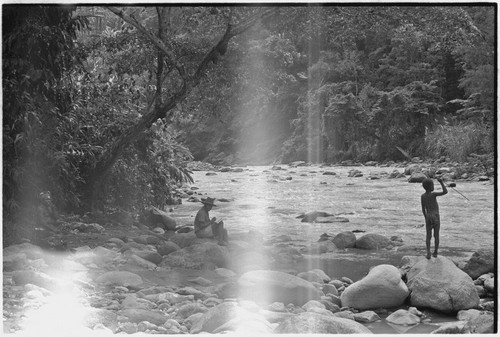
pixel 439 284
pixel 381 288
pixel 480 263
pixel 372 242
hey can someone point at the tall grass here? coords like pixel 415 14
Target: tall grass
pixel 459 141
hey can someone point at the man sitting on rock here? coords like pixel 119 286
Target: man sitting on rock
pixel 206 228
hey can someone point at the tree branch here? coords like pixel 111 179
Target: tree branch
pixel 156 111
pixel 154 39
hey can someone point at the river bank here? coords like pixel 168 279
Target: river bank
pixel 260 206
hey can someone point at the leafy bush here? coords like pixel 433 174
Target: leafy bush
pixel 459 141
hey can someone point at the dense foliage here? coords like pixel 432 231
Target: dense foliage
pixel 337 83
pixel 106 106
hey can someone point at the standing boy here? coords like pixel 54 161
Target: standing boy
pixel 430 209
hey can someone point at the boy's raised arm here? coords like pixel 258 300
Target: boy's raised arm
pixel 445 190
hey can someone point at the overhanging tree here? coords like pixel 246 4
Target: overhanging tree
pixel 181 76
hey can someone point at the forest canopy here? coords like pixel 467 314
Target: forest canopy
pixel 106 106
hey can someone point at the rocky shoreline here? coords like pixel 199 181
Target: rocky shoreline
pixel 247 291
pixel 163 280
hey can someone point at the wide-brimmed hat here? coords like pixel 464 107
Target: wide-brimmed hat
pixel 208 201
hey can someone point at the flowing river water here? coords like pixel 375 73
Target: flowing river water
pixel 269 201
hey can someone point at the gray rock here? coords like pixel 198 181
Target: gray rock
pixel 344 240
pixel 372 242
pixel 277 306
pixel 139 315
pixel 31 251
pixel 249 323
pixel 216 317
pixel 310 276
pixel 131 301
pixel 330 289
pixel 14 261
pixel 172 298
pixel 366 317
pixel 22 277
pixel 120 278
pixel 201 281
pixel 451 328
pixel 417 177
pixel 102 317
pixel 167 247
pixel 183 239
pixel 313 304
pixel 188 309
pixel 153 257
pixel 267 286
pixel 309 322
pixel 482 323
pixel 155 217
pixel 481 291
pixel 312 216
pixel 337 283
pixel 323 276
pixel 198 256
pixel 439 284
pixel 139 261
pixel 412 168
pixel 345 314
pixel 489 284
pixel 223 272
pixel 330 305
pixel 403 317
pixel 481 262
pixel 335 299
pixel 467 315
pixel 381 288
pixel 321 247
pixel 197 294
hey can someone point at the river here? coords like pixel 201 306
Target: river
pixel 269 200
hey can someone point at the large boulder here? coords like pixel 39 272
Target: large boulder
pixel 268 286
pixel 198 256
pixel 344 240
pixel 439 284
pixel 372 242
pixel 381 288
pixel 481 262
pixel 309 323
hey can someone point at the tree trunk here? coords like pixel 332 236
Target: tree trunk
pixel 158 109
